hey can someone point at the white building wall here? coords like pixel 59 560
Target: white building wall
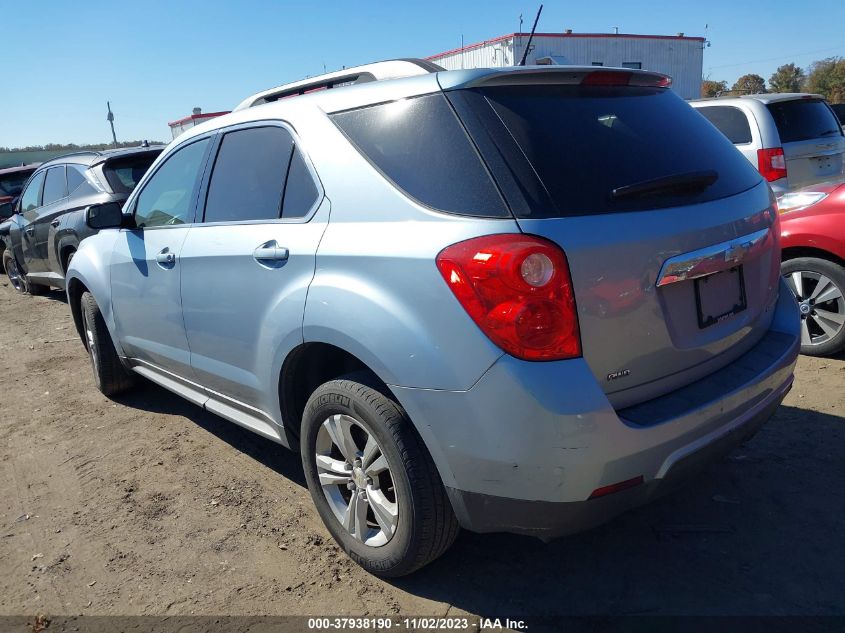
pixel 682 59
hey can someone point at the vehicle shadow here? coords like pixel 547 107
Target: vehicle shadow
pixel 148 396
pixel 758 533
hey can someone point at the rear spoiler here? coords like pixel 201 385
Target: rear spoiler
pixel 554 75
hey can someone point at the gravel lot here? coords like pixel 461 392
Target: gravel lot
pixel 149 505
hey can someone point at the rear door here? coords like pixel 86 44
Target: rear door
pixel 52 206
pixel 812 140
pixel 256 249
pixel 583 167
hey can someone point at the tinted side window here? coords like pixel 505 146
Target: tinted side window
pixel 300 191
pixel 249 175
pixel 31 198
pixel 730 121
pixel 75 178
pixel 804 119
pixel 55 186
pixel 420 146
pixel 168 197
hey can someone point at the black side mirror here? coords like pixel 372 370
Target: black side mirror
pixel 104 216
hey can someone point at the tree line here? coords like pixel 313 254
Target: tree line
pixel 73 147
pixel 825 77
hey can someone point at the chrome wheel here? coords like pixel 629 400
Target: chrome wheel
pixel 356 480
pixel 14 274
pixel 821 304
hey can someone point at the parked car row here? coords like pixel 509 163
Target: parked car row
pixel 514 299
pixel 49 222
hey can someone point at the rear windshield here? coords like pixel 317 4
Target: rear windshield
pixel 123 174
pixel 584 142
pixel 803 120
pixel 12 184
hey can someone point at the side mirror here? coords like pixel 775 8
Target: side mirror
pixel 104 216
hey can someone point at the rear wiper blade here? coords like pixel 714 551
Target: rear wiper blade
pixel 667 185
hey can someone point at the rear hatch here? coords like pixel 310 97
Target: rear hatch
pixel 812 140
pixel 124 171
pixel 668 230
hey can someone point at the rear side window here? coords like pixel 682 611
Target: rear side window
pixel 420 146
pixel 249 173
pixel 584 142
pixel 730 121
pixel 75 178
pixel 804 119
pixel 124 174
pixel 300 190
pixel 31 198
pixel 55 185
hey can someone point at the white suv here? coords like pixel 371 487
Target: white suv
pixel 794 139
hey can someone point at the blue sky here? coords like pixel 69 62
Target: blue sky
pixel 156 60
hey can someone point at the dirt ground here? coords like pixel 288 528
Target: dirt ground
pixel 150 505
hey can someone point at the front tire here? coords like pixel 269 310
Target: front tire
pixel 819 287
pixel 372 479
pixel 109 374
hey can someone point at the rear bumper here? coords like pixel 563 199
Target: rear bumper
pixel 523 450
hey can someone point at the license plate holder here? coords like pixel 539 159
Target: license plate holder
pixel 720 296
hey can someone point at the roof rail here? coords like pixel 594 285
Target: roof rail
pixel 378 71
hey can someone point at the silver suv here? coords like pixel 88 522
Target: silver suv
pixel 521 299
pixel 794 139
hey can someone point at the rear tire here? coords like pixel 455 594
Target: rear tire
pixel 397 473
pixel 819 287
pixel 109 373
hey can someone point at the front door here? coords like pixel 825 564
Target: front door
pixel 146 265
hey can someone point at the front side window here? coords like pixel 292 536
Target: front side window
pixel 730 121
pixel 55 186
pixel 168 197
pixel 31 198
pixel 249 173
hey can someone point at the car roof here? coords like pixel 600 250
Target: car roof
pixel 765 98
pixel 89 158
pixel 18 168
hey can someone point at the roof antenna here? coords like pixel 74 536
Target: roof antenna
pixel 531 37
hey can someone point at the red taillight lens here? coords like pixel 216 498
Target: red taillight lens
pixel 518 290
pixel 618 487
pixel 623 78
pixel 772 163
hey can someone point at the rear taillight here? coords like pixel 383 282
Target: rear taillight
pixel 772 163
pixel 518 290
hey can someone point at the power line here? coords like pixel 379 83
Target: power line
pixel 774 59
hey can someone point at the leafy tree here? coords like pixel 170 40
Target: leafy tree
pixel 827 78
pixel 710 88
pixel 750 85
pixel 787 78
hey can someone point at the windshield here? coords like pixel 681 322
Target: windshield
pixel 12 184
pixel 803 120
pixel 586 142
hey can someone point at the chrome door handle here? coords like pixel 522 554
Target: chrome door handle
pixel 30 230
pixel 166 258
pixel 270 252
pixel 56 222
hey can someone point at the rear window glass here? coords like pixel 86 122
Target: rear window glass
pixel 300 190
pixel 12 184
pixel 586 141
pixel 730 121
pixel 421 147
pixel 75 178
pixel 124 174
pixel 804 119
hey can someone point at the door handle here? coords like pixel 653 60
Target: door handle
pixel 56 222
pixel 270 252
pixel 30 230
pixel 166 258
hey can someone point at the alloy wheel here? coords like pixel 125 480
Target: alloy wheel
pixel 14 274
pixel 821 304
pixel 356 480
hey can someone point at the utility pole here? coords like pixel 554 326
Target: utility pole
pixel 110 119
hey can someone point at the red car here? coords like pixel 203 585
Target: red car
pixel 813 241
